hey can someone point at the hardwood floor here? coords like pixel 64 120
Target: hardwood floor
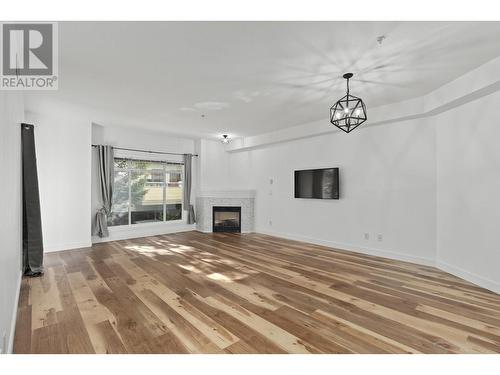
pixel 230 293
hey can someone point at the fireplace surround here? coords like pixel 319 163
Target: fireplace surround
pixel 207 199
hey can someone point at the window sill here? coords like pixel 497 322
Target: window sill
pixel 123 232
pixel 148 224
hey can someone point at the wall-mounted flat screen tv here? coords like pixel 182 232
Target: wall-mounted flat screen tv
pixel 317 183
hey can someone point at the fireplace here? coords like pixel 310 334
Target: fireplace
pixel 226 219
pixel 207 200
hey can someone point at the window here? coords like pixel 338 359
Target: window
pixel 145 192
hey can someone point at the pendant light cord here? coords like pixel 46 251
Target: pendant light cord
pixel 347 101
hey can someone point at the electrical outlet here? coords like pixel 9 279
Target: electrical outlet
pixel 270 223
pixel 367 236
pixel 380 237
pixel 271 181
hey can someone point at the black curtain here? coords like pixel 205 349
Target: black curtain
pixel 32 221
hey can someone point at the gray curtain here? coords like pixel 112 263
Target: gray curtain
pixel 105 172
pixel 32 221
pixel 191 219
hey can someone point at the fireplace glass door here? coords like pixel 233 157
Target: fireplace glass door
pixel 226 219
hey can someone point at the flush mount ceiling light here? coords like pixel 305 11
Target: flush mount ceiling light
pixel 225 139
pixel 349 112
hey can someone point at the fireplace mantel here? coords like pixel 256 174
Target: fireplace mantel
pixel 230 193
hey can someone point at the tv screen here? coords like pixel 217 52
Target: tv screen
pixel 317 183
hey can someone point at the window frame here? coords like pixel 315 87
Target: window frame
pixel 129 170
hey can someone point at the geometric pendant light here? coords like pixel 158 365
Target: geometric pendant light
pixel 349 112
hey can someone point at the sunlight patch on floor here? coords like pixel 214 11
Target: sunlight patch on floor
pixel 190 268
pixel 219 277
pixel 149 251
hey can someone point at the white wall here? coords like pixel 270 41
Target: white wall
pixel 140 139
pixel 468 191
pixel 388 187
pixel 63 151
pixel 143 140
pixel 11 116
pixel 218 171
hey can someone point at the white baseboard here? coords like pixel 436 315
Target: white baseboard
pixel 469 276
pixel 211 231
pixel 68 246
pixel 126 233
pixel 10 347
pixel 354 248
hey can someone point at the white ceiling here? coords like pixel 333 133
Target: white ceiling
pixel 249 78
